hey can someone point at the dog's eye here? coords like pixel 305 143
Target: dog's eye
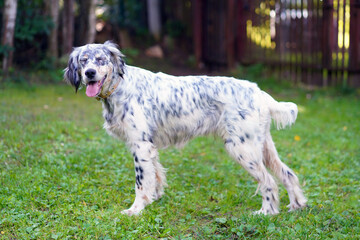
pixel 100 61
pixel 83 60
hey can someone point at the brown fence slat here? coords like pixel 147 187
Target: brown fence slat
pixel 310 41
pixel 354 46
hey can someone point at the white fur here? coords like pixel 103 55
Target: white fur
pixel 155 110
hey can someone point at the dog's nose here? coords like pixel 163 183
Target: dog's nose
pixel 90 73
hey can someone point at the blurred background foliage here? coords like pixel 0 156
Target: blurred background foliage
pixel 315 43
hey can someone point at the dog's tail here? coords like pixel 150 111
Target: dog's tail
pixel 283 113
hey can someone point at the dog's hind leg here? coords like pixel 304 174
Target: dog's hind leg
pixel 147 174
pixel 160 177
pixel 284 174
pixel 248 153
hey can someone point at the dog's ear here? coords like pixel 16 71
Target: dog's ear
pixel 116 56
pixel 72 75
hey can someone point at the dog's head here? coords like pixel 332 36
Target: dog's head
pixel 94 65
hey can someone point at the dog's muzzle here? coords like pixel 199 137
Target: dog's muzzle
pixel 93 88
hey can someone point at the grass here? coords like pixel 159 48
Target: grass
pixel 63 177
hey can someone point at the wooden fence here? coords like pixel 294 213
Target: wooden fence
pixel 310 41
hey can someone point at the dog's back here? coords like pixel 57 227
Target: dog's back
pixel 178 108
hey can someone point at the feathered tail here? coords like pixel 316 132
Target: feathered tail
pixel 283 113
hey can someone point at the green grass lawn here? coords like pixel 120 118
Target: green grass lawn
pixel 63 177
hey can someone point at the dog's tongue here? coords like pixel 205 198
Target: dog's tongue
pixel 92 90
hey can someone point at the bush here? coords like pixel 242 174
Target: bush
pixel 31 31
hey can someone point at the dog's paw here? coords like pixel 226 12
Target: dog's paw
pixel 158 194
pixel 266 212
pixel 297 205
pixel 131 212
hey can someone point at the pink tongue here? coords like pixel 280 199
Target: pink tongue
pixel 92 90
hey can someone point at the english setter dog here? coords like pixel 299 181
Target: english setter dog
pixel 154 110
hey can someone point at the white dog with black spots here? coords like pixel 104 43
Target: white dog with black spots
pixel 155 110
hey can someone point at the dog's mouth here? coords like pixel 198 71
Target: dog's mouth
pixel 93 88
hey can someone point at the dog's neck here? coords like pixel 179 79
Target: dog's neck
pixel 109 110
pixel 108 90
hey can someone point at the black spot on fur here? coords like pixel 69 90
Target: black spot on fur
pixel 140 100
pixel 242 114
pixel 109 111
pixel 138 181
pixel 167 112
pixel 126 108
pixel 143 136
pixel 108 117
pixel 271 207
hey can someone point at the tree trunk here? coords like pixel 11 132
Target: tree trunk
pixel 9 17
pixel 68 26
pixel 87 21
pixel 52 7
pixel 154 18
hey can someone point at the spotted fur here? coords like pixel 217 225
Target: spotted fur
pixel 155 110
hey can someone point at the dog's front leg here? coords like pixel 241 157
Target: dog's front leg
pixel 145 155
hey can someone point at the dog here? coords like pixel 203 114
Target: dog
pixel 150 111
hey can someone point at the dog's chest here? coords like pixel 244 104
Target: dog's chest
pixel 112 125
